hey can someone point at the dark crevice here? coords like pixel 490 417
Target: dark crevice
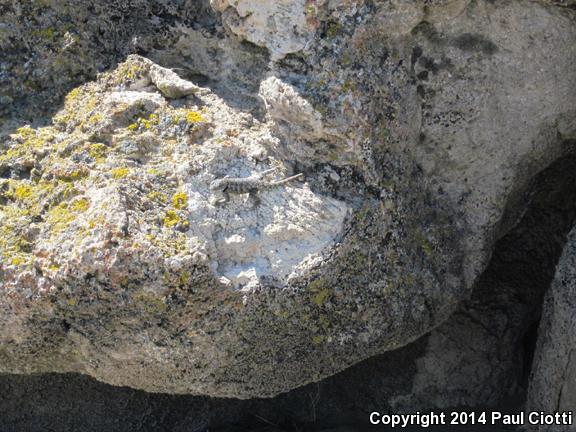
pixel 508 296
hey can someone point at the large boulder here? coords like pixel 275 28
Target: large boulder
pixel 118 261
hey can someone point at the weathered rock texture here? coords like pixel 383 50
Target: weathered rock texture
pixel 418 126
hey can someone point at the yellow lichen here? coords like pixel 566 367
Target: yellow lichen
pixel 180 200
pixel 119 173
pixel 128 71
pixel 14 222
pixel 157 196
pixel 98 151
pixel 25 132
pixel 29 144
pixel 73 175
pixel 80 205
pixel 171 219
pixel 144 123
pixel 59 218
pixel 94 222
pixel 95 119
pixel 22 192
pixel 73 95
pixel 18 260
pixel 194 117
pixel 72 302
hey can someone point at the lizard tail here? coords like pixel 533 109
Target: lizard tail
pixel 286 180
pixel 268 171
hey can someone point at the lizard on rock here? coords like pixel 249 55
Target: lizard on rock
pixel 241 185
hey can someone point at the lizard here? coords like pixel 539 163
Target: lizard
pixel 250 185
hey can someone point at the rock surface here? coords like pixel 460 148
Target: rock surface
pixel 417 141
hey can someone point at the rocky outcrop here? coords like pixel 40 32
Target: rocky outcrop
pixel 417 142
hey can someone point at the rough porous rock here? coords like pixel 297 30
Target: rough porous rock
pixel 416 140
pixel 170 84
pixel 553 380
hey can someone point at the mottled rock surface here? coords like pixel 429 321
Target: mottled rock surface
pixel 417 139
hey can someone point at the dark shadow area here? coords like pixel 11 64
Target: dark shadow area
pixel 523 265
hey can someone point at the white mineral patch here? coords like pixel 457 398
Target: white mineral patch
pixel 289 225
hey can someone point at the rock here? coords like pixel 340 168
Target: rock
pixel 283 26
pixel 417 143
pixel 553 379
pixel 116 201
pixel 302 125
pixel 170 84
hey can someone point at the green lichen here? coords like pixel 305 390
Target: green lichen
pixel 150 303
pixel 422 241
pixel 318 339
pixel 320 291
pixel 333 29
pixel 184 278
pixel 320 298
pixel 349 85
pixel 171 244
pixel 45 33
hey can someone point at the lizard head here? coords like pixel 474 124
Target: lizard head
pixel 218 185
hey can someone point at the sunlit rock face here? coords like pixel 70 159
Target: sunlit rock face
pixel 413 126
